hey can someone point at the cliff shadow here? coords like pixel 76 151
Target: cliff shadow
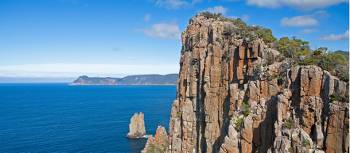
pixel 265 133
pixel 225 125
pixel 296 98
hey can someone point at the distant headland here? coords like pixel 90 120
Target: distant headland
pixel 148 79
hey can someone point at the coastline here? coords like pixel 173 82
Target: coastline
pixel 121 84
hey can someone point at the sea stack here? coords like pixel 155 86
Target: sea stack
pixel 159 143
pixel 137 126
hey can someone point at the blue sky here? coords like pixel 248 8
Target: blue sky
pixel 67 38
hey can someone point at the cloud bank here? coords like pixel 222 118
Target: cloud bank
pixel 336 37
pixel 217 10
pixel 176 4
pixel 297 4
pixel 299 21
pixel 74 70
pixel 164 30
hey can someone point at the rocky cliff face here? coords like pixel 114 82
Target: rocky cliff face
pixel 137 126
pixel 235 95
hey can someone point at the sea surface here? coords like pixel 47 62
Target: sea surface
pixel 63 118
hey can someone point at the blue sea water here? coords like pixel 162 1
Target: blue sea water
pixel 62 118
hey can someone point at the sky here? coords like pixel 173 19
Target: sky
pixel 68 38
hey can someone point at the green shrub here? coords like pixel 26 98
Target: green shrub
pixel 334 62
pixel 288 123
pixel 246 31
pixel 245 108
pixel 309 61
pixel 155 148
pixel 211 15
pixel 339 98
pixel 305 142
pixel 151 148
pixel 178 114
pixel 320 51
pixel 239 123
pixel 265 34
pixel 337 63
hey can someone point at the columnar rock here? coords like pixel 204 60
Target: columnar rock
pixel 137 126
pixel 234 94
pixel 157 144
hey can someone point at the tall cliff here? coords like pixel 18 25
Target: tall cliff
pixel 236 94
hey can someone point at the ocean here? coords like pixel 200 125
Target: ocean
pixel 63 118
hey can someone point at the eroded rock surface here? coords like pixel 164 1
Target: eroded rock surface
pixel 235 95
pixel 137 126
pixel 157 144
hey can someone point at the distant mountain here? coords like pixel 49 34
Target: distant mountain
pixel 150 79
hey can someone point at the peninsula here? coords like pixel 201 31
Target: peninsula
pixel 150 79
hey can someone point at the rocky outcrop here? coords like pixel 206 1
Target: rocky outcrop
pixel 137 126
pixel 236 94
pixel 157 144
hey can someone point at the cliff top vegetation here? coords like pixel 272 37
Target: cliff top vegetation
pixel 336 62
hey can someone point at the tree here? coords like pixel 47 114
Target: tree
pixel 293 48
pixel 265 34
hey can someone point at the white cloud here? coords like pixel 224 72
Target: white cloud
pixel 308 30
pixel 217 10
pixel 264 3
pixel 147 17
pixel 297 4
pixel 73 70
pixel 164 30
pixel 321 14
pixel 335 37
pixel 176 4
pixel 299 21
pixel 244 17
pixel 305 20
